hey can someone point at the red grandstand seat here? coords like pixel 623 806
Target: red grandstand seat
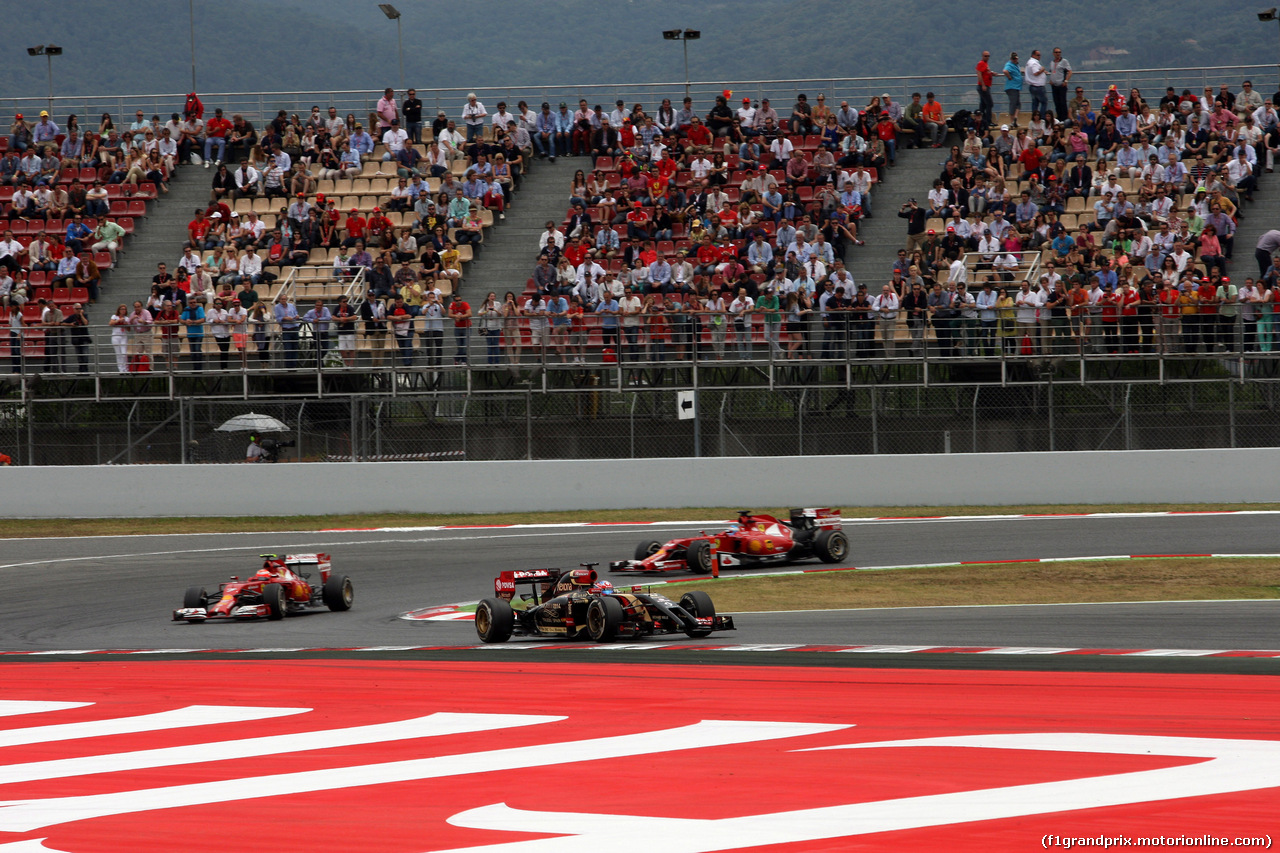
pixel 66 176
pixel 88 175
pixel 146 190
pixel 875 176
pixel 31 313
pixel 136 207
pixel 805 193
pixel 666 247
pixel 4 144
pixel 53 226
pixel 734 194
pixel 114 191
pixel 38 279
pixel 103 260
pixel 813 142
pixel 732 161
pixel 779 175
pixel 125 222
pixel 17 226
pixel 6 193
pixel 118 207
pixel 605 164
pixel 38 293
pixel 79 294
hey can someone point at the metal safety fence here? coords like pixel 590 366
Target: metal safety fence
pixel 954 91
pixel 605 423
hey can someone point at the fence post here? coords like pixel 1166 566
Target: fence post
pixel 973 447
pixel 875 425
pixel 1051 441
pixel 1128 418
pixel 528 423
pixel 31 432
pixel 182 430
pixel 297 451
pixel 1231 412
pixel 354 431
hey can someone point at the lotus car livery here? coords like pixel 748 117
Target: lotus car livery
pixel 576 605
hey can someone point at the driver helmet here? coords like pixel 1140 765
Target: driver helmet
pixel 265 572
pixel 603 587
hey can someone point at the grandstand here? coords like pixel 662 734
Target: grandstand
pixel 686 207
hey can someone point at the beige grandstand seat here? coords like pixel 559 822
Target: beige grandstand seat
pixel 1075 204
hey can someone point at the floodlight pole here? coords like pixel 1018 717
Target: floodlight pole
pixel 49 57
pixel 685 42
pixel 400 45
pixel 192 16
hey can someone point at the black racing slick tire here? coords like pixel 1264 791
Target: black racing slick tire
pixel 698 603
pixel 604 617
pixel 698 557
pixel 647 549
pixel 495 620
pixel 338 593
pixel 273 597
pixel 195 597
pixel 831 546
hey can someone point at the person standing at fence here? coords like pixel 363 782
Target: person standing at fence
pixel 193 319
pixel 1059 78
pixel 632 309
pixel 510 311
pixel 985 78
pixel 373 311
pixel 220 328
pixel 237 319
pixel 716 321
pixel 319 318
pixel 1228 299
pixel 740 309
pixel 1268 245
pixel 78 336
pixel 402 325
pixel 287 320
pixel 915 304
pixel 1037 78
pixel 884 308
pixel 344 318
pixel 460 313
pixel 432 329
pixel 120 325
pixel 1013 87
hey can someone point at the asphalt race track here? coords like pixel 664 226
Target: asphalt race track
pixel 117 592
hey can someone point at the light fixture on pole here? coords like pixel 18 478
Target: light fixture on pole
pixel 48 51
pixel 1269 15
pixel 685 36
pixel 394 14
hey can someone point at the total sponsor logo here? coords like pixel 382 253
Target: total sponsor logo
pixel 445 753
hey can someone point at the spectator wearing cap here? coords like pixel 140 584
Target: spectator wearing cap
pixel 564 129
pixel 544 135
pixel 473 116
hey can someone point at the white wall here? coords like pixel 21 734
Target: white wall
pixel 1148 476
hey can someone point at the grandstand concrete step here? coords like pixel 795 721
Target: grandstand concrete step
pixel 511 248
pixel 158 238
pixel 1260 215
pixel 885 233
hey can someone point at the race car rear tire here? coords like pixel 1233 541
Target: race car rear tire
pixel 831 546
pixel 647 549
pixel 338 593
pixel 195 597
pixel 698 603
pixel 273 597
pixel 698 557
pixel 604 617
pixel 495 620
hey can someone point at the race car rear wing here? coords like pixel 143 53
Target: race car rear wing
pixel 819 517
pixel 545 582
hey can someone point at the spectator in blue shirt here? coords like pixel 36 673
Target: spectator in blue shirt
pixel 361 142
pixel 286 315
pixel 1013 87
pixel 77 231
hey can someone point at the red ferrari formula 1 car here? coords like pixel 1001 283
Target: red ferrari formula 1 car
pixel 578 605
pixel 282 586
pixel 754 540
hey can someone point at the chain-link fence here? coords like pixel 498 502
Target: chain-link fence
pixel 646 422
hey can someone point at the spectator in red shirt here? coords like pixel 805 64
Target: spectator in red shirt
pixel 356 227
pixel 215 136
pixel 699 138
pixel 637 223
pixel 887 133
pixel 985 104
pixel 196 230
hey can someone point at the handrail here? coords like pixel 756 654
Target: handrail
pixel 953 90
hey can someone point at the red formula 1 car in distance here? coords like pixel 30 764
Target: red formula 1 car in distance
pixel 753 540
pixel 282 586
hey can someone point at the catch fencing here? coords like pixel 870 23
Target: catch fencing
pixel 647 422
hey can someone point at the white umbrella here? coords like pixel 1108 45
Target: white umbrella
pixel 253 423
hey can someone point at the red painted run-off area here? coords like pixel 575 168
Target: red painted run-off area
pixel 604 700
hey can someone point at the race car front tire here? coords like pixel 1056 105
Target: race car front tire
pixel 647 549
pixel 831 546
pixel 698 557
pixel 495 620
pixel 604 617
pixel 273 597
pixel 195 597
pixel 338 593
pixel 698 603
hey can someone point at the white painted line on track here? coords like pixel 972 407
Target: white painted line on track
pixel 896 520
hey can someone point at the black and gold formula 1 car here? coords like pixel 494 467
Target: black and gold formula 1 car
pixel 576 604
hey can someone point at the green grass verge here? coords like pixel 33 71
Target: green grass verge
pixel 21 527
pixel 1146 579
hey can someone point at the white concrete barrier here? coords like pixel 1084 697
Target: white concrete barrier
pixel 145 491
